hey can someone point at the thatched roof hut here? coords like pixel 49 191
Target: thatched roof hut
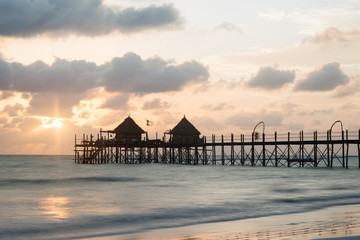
pixel 128 131
pixel 184 132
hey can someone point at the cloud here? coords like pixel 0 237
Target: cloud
pixel 119 101
pixel 270 78
pixel 55 89
pixel 132 74
pixel 127 74
pixel 333 35
pixel 61 76
pixel 328 77
pixel 272 14
pixel 227 26
pixel 156 104
pixel 83 17
pixel 349 89
pixel 217 107
pixel 248 120
pixel 13 110
pixel 53 104
pixel 6 94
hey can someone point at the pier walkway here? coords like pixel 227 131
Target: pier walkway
pixel 328 149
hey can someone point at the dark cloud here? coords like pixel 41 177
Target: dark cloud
pixel 132 74
pixel 156 104
pixel 326 78
pixel 61 76
pixel 85 17
pixel 55 89
pixel 127 74
pixel 270 78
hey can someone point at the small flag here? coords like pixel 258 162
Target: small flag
pixel 149 123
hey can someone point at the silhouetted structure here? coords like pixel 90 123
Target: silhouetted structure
pixel 128 131
pixel 184 133
pixel 186 147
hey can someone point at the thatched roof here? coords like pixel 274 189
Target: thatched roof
pixel 184 127
pixel 128 126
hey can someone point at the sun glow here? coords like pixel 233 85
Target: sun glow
pixel 52 123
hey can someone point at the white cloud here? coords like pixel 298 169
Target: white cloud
pixel 227 26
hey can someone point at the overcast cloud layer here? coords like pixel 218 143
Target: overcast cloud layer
pixel 84 17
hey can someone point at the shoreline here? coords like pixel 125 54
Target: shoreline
pixel 330 223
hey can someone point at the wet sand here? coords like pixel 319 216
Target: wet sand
pixel 341 222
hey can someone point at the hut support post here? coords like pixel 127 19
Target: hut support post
pixel 196 161
pixel 205 162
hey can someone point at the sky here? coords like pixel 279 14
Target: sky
pixel 71 67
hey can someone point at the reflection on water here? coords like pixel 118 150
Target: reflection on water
pixel 55 207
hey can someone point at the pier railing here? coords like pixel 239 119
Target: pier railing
pixel 300 149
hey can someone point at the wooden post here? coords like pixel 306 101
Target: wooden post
pixel 358 145
pixel 232 149
pixel 328 148
pixel 302 148
pixel 222 151
pixel 263 150
pixel 276 153
pixel 214 150
pixel 288 149
pixel 242 149
pixel 204 152
pixel 75 151
pixel 196 155
pixel 343 148
pixel 252 150
pixel 315 149
pixel 347 149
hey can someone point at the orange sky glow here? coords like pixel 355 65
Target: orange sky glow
pixel 226 65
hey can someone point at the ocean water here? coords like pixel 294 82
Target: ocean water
pixel 51 197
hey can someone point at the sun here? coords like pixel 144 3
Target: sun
pixel 52 123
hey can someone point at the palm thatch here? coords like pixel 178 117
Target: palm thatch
pixel 128 126
pixel 185 128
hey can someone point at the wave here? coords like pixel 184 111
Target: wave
pixel 7 182
pixel 92 226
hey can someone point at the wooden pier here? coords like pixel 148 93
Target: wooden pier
pixel 328 149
